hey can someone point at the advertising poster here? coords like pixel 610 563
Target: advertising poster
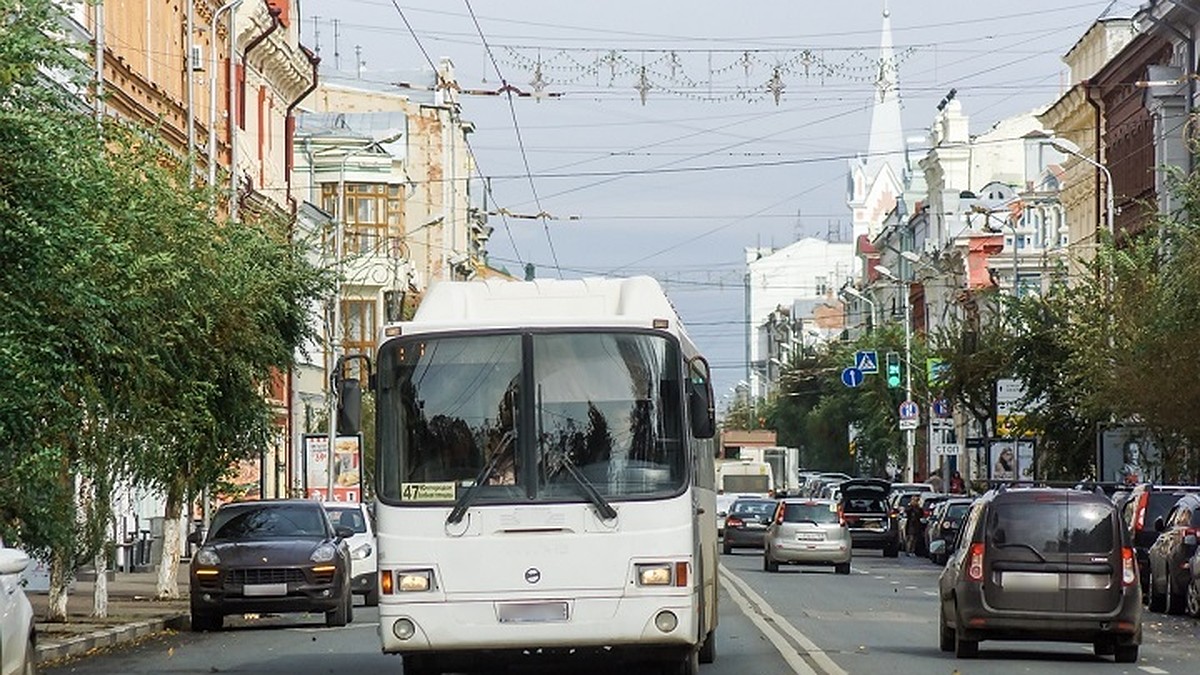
pixel 347 468
pixel 1128 456
pixel 1011 460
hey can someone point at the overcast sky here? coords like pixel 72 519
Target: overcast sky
pixel 716 158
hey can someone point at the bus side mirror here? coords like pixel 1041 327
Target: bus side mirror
pixel 349 407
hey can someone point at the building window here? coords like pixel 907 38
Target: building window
pixel 822 286
pixel 371 210
pixel 359 325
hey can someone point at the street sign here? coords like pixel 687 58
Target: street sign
pixel 908 423
pixel 944 449
pixel 909 410
pixel 941 407
pixel 852 377
pixel 867 362
pixel 941 423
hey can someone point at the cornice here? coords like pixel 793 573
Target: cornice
pixel 280 61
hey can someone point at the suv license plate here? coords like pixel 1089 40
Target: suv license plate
pixel 261 590
pixel 810 536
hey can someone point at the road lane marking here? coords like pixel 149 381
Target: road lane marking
pixel 1152 669
pixel 760 612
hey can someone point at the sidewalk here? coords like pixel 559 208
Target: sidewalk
pixel 132 613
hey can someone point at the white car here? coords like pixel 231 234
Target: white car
pixel 364 561
pixel 18 655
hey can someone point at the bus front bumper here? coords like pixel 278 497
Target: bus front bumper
pixel 551 624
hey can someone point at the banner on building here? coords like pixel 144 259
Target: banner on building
pixel 347 468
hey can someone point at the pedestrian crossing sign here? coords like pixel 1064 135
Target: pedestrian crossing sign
pixel 866 361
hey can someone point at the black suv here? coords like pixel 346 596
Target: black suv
pixel 1171 555
pixel 872 524
pixel 1145 504
pixel 1042 564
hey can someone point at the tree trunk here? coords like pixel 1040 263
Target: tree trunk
pixel 60 580
pixel 168 567
pixel 100 588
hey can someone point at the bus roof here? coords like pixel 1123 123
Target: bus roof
pixel 498 303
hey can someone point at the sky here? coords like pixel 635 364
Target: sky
pixel 673 134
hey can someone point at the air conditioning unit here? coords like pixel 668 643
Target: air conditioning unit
pixel 931 247
pixel 197 58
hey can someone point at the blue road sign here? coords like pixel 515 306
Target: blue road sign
pixel 852 377
pixel 941 407
pixel 867 362
pixel 909 410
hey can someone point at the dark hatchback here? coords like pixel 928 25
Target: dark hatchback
pixel 1043 564
pixel 1171 556
pixel 1145 504
pixel 270 556
pixel 872 523
pixel 746 524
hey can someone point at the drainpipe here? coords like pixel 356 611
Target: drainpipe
pixel 1088 88
pixel 189 46
pixel 233 128
pixel 289 133
pixel 98 29
pixel 212 92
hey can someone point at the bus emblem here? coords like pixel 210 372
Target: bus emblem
pixel 533 575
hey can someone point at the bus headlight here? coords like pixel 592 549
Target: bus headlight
pixel 657 574
pixel 414 581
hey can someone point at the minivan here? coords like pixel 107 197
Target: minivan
pixel 1042 564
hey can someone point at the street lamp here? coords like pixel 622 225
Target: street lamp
pixel 1067 147
pixel 975 208
pixel 858 295
pixel 909 438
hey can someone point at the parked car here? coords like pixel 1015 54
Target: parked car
pixel 271 556
pixel 1171 554
pixel 364 561
pixel 864 504
pixel 1042 564
pixel 942 530
pixel 18 653
pixel 807 532
pixel 1191 602
pixel 747 523
pixel 1145 503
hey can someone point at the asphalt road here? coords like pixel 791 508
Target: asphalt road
pixel 879 619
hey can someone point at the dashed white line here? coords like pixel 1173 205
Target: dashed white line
pixel 765 611
pixel 1152 669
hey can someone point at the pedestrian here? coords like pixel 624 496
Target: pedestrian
pixel 936 481
pixel 957 485
pixel 912 525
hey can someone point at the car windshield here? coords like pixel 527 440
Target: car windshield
pixel 1048 527
pixel 956 512
pixel 349 518
pixel 268 521
pixel 814 513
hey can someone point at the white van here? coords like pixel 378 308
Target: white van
pixel 364 566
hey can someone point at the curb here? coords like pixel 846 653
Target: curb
pixel 53 650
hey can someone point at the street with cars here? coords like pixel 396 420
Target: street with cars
pixel 794 600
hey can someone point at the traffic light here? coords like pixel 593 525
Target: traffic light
pixel 893 370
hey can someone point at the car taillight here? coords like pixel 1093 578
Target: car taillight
pixel 841 515
pixel 1139 512
pixel 1128 567
pixel 733 521
pixel 975 565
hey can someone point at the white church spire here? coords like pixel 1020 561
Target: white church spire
pixel 886 145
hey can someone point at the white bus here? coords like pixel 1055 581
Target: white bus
pixel 545 478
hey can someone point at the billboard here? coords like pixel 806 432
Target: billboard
pixel 347 468
pixel 1129 456
pixel 1011 460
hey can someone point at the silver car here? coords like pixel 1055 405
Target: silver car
pixel 807 532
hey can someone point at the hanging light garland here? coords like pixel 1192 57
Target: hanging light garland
pixel 676 72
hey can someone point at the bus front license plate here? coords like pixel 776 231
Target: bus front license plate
pixel 532 612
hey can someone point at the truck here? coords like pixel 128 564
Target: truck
pixel 741 478
pixel 785 466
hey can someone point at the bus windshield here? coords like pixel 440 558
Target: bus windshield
pixel 541 416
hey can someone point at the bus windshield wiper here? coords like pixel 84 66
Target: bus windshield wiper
pixel 605 509
pixel 468 497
